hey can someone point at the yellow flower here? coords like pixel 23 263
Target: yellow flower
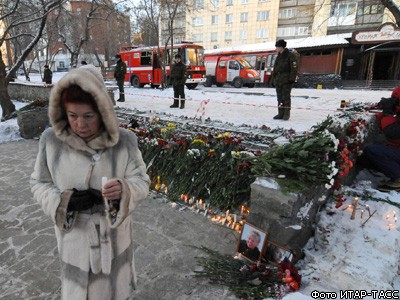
pixel 227 134
pixel 198 141
pixel 171 125
pixel 220 136
pixel 163 130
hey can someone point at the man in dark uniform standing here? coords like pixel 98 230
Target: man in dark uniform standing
pixel 283 77
pixel 119 75
pixel 178 78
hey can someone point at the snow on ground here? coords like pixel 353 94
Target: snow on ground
pixel 343 255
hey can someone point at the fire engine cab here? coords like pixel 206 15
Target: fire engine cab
pixel 144 65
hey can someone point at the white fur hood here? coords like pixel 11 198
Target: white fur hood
pixel 90 80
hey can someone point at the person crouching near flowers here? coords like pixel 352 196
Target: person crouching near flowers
pixel 92 215
pixel 385 158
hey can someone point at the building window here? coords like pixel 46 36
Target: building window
pixel 287 13
pixel 292 31
pixel 228 35
pixel 243 35
pixel 343 14
pixel 178 39
pixel 372 9
pixel 198 4
pixel 228 18
pixel 245 1
pixel 261 33
pixel 197 38
pixel 229 2
pixel 214 19
pixel 197 21
pixel 263 15
pixel 263 1
pixel 214 36
pixel 215 3
pixel 244 17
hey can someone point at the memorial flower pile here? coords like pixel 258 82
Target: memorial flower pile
pixel 208 167
pixel 35 104
pixel 218 167
pixel 246 280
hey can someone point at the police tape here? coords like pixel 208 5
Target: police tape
pixel 203 103
pixel 202 106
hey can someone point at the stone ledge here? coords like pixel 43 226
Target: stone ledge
pixel 287 218
pixel 28 92
pixel 32 122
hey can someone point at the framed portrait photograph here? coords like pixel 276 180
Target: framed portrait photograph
pixel 275 253
pixel 251 243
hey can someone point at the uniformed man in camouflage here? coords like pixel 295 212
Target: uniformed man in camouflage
pixel 178 78
pixel 283 77
pixel 119 75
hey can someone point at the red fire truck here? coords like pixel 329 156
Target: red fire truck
pixel 261 59
pixel 144 67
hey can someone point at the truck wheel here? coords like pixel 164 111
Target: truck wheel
pixel 135 82
pixel 238 83
pixel 219 84
pixel 208 82
pixel 191 86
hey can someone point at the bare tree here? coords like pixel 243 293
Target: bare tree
pixel 77 26
pixel 147 15
pixel 14 15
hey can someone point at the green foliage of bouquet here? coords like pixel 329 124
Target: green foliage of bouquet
pixel 219 169
pixel 205 167
pixel 248 280
pixel 35 104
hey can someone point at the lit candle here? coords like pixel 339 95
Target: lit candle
pixel 367 208
pixel 390 225
pixel 241 210
pixel 353 214
pixel 362 212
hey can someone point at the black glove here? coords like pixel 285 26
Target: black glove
pixel 83 200
pixel 388 105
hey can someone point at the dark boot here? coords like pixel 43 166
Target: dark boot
pixel 182 104
pixel 121 97
pixel 279 116
pixel 286 114
pixel 176 104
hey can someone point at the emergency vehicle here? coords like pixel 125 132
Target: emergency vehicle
pixel 232 69
pixel 260 59
pixel 144 67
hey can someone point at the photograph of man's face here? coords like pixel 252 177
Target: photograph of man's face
pixel 251 242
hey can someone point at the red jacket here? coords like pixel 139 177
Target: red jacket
pixel 390 125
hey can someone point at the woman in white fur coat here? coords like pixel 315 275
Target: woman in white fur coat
pixel 89 176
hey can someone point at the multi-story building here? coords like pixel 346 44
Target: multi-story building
pixel 224 23
pixel 230 24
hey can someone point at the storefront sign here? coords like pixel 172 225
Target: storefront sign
pixel 387 32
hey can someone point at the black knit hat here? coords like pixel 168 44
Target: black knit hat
pixel 280 43
pixel 117 56
pixel 178 56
